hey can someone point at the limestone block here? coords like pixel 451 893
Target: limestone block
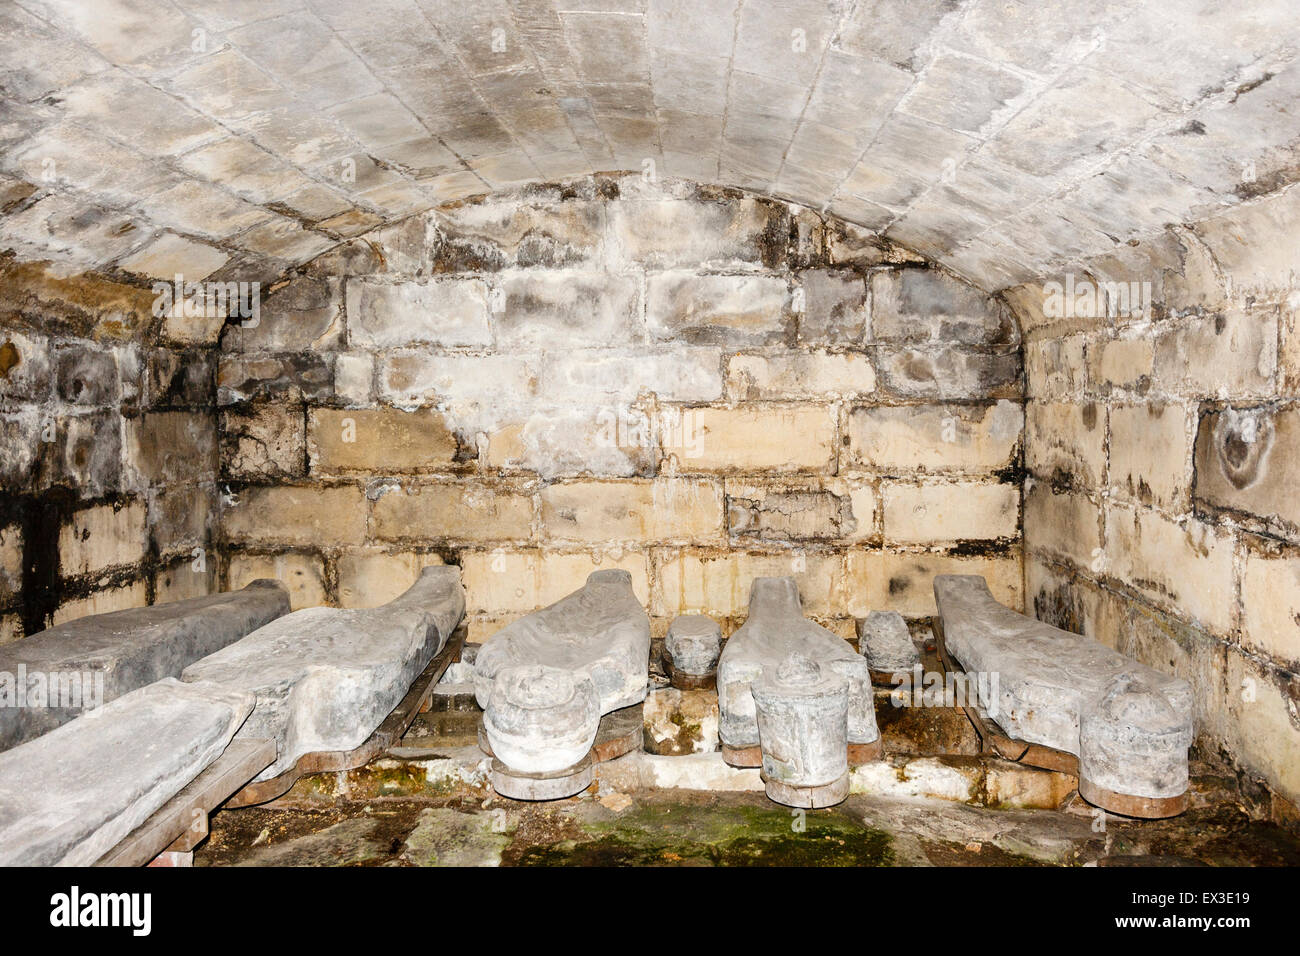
pixel 199 208
pixel 834 308
pixel 969 97
pixel 354 374
pixel 668 233
pixel 710 583
pixel 1128 723
pixel 170 446
pixel 479 628
pixel 602 375
pixel 641 512
pixel 793 509
pixel 886 643
pixel 1176 648
pixel 357 257
pixel 1125 362
pixel 305 517
pixel 418 377
pixel 1249 242
pixel 103 601
pixel 86 376
pixel 70 796
pixel 202 329
pixel 324 678
pixel 1072 602
pixel 781 438
pixel 1015 786
pixel 263 441
pixel 813 374
pixel 101 537
pixel 354 222
pixel 1186 566
pixel 319 203
pixel 1261 728
pixel 903 581
pixel 934 778
pixel 599 633
pixel 11 563
pixel 78 235
pixel 763 41
pixel 504 234
pixel 512 581
pixel 577 308
pixel 302 574
pixel 25 372
pixel 922 305
pixel 87 453
pixel 115 653
pixel 249 171
pixel 283 239
pixel 948 373
pixel 1026 144
pixel 378 440
pixel 1055 368
pixel 1149 453
pixel 1270 606
pixel 178 378
pixel 1232 354
pixel 934 437
pixel 559 574
pixel 18 453
pixel 1062 524
pixel 775 629
pixel 728 310
pixel 460 511
pixel 371 578
pixel 170 254
pixel 305 313
pixel 444 312
pixel 1066 440
pixel 296 377
pixel 933 512
pixel 182 581
pixel 558 441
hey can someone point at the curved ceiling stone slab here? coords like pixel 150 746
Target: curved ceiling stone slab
pixel 1002 138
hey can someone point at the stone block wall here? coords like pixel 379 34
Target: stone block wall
pixel 1163 451
pixel 108 450
pixel 694 384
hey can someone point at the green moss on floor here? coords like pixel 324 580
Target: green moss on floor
pixel 680 835
pixel 700 828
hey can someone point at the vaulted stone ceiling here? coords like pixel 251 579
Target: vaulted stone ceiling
pixel 1003 138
